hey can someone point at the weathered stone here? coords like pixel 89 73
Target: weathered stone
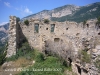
pixel 64 39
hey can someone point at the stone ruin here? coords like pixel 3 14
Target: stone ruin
pixel 65 39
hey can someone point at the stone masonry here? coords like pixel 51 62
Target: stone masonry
pixel 62 38
pixel 12 46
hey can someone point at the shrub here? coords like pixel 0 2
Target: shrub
pixel 24 51
pixel 40 57
pixel 46 21
pixel 84 57
pixel 26 22
pixel 97 63
pixel 51 62
pixel 12 58
pixel 2 58
pixel 3 52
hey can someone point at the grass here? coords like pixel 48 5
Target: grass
pixel 24 51
pixel 44 65
pixel 22 62
pixel 50 66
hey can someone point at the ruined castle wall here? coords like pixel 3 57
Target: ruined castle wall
pixel 15 36
pixel 66 31
pixel 65 40
pixel 12 37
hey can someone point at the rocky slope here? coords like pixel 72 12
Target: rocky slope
pixel 70 13
pixel 57 12
pixel 90 11
pixel 3 33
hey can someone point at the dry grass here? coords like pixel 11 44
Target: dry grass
pixel 19 63
pixel 22 62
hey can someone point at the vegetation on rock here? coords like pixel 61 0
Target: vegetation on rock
pixel 24 51
pixel 26 22
pixel 3 52
pixel 46 21
pixel 50 66
pixel 97 63
pixel 84 56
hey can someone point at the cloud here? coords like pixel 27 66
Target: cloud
pixel 7 4
pixel 3 23
pixel 26 10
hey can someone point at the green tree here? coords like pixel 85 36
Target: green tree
pixel 26 22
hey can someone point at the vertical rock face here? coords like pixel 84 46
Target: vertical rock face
pixel 12 37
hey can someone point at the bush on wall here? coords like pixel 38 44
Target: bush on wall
pixel 26 22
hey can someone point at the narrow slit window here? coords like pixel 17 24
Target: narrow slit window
pixel 36 28
pixel 52 27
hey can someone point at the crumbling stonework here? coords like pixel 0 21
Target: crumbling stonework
pixel 65 39
pixel 12 37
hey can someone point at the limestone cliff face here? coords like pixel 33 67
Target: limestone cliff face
pixel 57 12
pixel 64 39
pixel 69 13
pixel 65 10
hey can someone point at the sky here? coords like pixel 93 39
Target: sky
pixel 22 8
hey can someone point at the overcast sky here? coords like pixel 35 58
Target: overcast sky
pixel 22 8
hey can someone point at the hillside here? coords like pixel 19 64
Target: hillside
pixel 57 12
pixel 70 13
pixel 84 13
pixel 3 34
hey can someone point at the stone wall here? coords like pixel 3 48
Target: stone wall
pixel 12 46
pixel 15 36
pixel 67 39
